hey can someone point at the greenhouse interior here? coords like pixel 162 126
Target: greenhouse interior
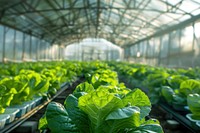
pixel 99 66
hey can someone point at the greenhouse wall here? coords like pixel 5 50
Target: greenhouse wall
pixel 93 49
pixel 16 46
pixel 179 48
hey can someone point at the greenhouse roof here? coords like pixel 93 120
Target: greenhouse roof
pixel 122 22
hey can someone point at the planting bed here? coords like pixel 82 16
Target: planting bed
pixel 166 119
pixel 36 116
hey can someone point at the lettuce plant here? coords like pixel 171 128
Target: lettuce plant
pixel 193 101
pixel 168 93
pixel 6 96
pixel 101 112
pixel 190 86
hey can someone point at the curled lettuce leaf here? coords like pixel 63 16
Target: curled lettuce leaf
pixel 97 105
pixel 190 86
pixel 167 92
pixel 139 99
pixel 193 101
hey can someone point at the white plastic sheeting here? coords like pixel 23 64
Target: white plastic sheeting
pixel 93 49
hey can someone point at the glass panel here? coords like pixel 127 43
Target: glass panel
pixel 185 17
pixel 19 41
pixel 34 47
pixel 1 41
pixel 79 3
pixel 59 3
pixel 48 51
pixel 150 51
pixel 186 39
pixel 154 5
pixel 197 31
pixel 197 43
pixel 27 47
pixel 42 50
pixel 43 5
pixel 9 44
pixel 164 46
pixel 175 42
pixel 164 19
pixel 131 51
pixel 143 48
pixel 196 12
pixel 126 52
pixel 156 47
pixel 188 6
pixel 173 15
pixel 119 4
pixel 174 2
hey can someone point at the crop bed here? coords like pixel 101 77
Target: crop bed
pixel 123 93
pixel 38 112
pixel 157 112
pixel 166 118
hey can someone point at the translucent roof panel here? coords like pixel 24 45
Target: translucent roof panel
pixel 120 21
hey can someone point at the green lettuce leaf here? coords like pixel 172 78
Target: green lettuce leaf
pixel 167 92
pixel 58 119
pixel 120 119
pixel 139 99
pixel 175 80
pixel 79 118
pixel 189 87
pixel 84 87
pixel 193 101
pixel 98 105
pixel 150 128
pixel 43 123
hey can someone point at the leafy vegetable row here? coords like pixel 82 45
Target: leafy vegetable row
pixel 177 87
pixel 101 105
pixel 21 82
